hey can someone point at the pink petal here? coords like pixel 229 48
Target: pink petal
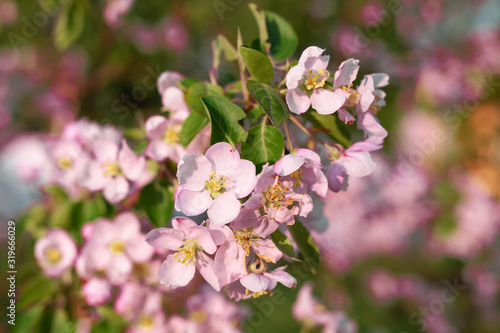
pixel 116 189
pixel 219 234
pixel 316 180
pixel 372 128
pixel 173 99
pixel 267 250
pixel 103 231
pixel 119 270
pixel 337 179
pixel 183 223
pixel 311 157
pixel 366 96
pixel 224 209
pixel 295 76
pixel 346 116
pixel 138 250
pixel 222 156
pixel 167 79
pixel 241 178
pixel 298 101
pixel 158 150
pixel 165 238
pixel 203 237
pixel 229 262
pixel 288 164
pixel 346 74
pixel 358 164
pixel 311 58
pixel 156 126
pixel 205 266
pixel 326 102
pixel 193 203
pixel 127 225
pixel 94 179
pixel 106 151
pixel 255 282
pixel 96 291
pixel 282 277
pixel 175 274
pixel 193 171
pixel 380 79
pixel 132 165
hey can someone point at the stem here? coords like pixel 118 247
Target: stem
pixel 288 137
pixel 305 130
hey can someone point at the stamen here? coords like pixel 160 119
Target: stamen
pixel 53 255
pixel 316 80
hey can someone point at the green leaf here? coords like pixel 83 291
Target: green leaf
pixel 184 84
pixel 307 246
pixel 258 64
pixel 224 117
pixel 270 101
pixel 264 144
pixel 283 39
pixel 256 112
pixel 260 17
pixel 69 25
pixel 198 90
pixel 157 201
pixel 193 124
pixel 226 48
pixel 331 124
pixel 27 319
pixel 283 243
pixel 37 290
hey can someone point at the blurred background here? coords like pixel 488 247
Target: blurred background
pixel 413 247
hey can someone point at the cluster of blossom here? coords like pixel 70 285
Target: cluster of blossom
pixel 115 264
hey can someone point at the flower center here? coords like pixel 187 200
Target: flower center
pixel 111 169
pixel 171 135
pixel 117 247
pixel 198 316
pixel 53 255
pixel 146 322
pixel 216 185
pixel 353 98
pixel 245 238
pixel 316 79
pixel 65 163
pixel 188 251
pixel 274 196
pixel 296 176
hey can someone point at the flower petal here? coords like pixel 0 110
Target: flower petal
pixel 156 126
pixel 255 282
pixel 288 164
pixel 203 237
pixel 297 100
pixel 311 58
pixel 193 171
pixel 295 76
pixel 193 203
pixel 224 209
pixel 326 102
pixel 116 189
pixel 346 74
pixel 165 238
pixel 132 165
pixel 175 274
pixel 205 266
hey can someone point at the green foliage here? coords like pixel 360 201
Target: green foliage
pixel 264 144
pixel 282 38
pixel 258 64
pixel 157 201
pixel 70 24
pixel 270 101
pixel 332 126
pixel 191 127
pixel 283 243
pixel 307 246
pixel 224 117
pixel 199 90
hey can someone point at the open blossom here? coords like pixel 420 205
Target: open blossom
pixel 214 182
pixel 277 198
pixel 303 167
pixel 354 161
pixel 113 248
pixel 192 245
pixel 305 84
pixel 55 252
pixel 113 167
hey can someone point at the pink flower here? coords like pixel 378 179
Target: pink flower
pixel 192 245
pixel 115 9
pixel 172 96
pixel 164 136
pixel 97 291
pixel 277 198
pixel 70 163
pixel 113 167
pixel 354 161
pixel 305 84
pixel 263 283
pixel 303 166
pixel 214 182
pixel 113 248
pixel 55 252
